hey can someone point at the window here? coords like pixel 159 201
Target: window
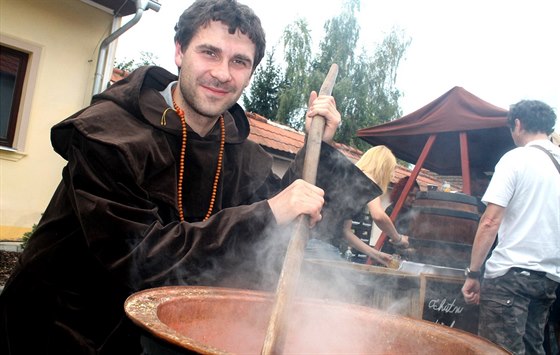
pixel 19 67
pixel 13 66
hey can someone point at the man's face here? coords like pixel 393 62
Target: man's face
pixel 215 69
pixel 411 197
pixel 479 186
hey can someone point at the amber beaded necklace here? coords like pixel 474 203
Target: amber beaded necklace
pixel 181 114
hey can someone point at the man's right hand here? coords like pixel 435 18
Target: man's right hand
pixel 299 198
pixel 324 106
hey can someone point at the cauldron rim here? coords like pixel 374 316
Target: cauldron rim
pixel 142 308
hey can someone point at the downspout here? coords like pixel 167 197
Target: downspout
pixel 141 6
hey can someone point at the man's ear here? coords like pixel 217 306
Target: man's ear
pixel 518 124
pixel 178 55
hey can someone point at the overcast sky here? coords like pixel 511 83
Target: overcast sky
pixel 501 51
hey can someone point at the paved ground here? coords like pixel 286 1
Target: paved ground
pixel 9 252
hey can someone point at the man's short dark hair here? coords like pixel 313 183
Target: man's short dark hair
pixel 479 175
pixel 233 14
pixel 535 116
pixel 399 187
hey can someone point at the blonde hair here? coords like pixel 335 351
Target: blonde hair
pixel 378 163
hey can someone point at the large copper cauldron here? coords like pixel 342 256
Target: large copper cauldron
pixel 210 320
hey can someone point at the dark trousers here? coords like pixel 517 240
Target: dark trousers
pixel 514 310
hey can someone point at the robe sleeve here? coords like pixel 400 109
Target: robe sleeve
pixel 123 225
pixel 347 190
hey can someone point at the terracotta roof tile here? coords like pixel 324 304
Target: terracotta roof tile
pixel 283 138
pixel 424 179
pixel 274 135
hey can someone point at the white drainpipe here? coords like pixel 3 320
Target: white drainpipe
pixel 141 6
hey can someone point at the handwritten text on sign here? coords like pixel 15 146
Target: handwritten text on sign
pixel 444 304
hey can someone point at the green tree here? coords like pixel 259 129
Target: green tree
pixel 384 71
pixel 263 94
pixel 146 58
pixel 373 98
pixel 365 90
pixel 294 87
pixel 339 46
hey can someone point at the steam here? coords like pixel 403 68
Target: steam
pixel 326 293
pixel 255 262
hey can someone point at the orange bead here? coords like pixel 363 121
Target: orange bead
pixel 181 114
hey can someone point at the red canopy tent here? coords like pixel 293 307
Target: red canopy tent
pixel 456 111
pixel 451 135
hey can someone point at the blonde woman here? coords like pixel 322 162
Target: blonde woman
pixel 378 163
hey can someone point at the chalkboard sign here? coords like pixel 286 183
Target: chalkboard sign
pixel 442 302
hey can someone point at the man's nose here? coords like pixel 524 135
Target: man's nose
pixel 221 71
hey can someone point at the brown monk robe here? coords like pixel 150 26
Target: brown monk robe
pixel 112 227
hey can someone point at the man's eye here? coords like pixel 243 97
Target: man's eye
pixel 240 62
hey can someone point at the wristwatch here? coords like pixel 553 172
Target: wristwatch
pixel 472 274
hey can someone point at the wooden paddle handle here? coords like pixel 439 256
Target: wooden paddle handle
pixel 287 283
pixel 315 134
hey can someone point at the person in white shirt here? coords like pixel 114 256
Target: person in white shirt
pixel 523 213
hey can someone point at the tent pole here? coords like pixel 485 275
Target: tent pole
pixel 411 179
pixel 465 168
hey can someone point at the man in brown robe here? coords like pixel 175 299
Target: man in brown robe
pixel 113 226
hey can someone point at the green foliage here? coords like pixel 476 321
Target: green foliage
pixel 264 89
pixel 146 58
pixel 365 90
pixel 27 235
pixel 339 44
pixel 280 93
pixel 294 87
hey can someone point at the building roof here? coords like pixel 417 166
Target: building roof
pixel 287 141
pixel 424 178
pixel 118 7
pixel 275 136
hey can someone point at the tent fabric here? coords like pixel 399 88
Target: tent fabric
pixel 488 135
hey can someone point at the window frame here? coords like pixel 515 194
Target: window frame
pixel 33 51
pixel 22 62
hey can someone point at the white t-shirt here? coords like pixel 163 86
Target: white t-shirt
pixel 527 184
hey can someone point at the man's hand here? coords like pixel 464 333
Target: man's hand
pixel 299 198
pixel 471 291
pixel 324 106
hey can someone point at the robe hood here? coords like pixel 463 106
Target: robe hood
pixel 138 94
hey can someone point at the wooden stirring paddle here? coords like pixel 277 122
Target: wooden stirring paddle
pixel 276 332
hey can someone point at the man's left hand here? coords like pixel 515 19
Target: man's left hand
pixel 471 291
